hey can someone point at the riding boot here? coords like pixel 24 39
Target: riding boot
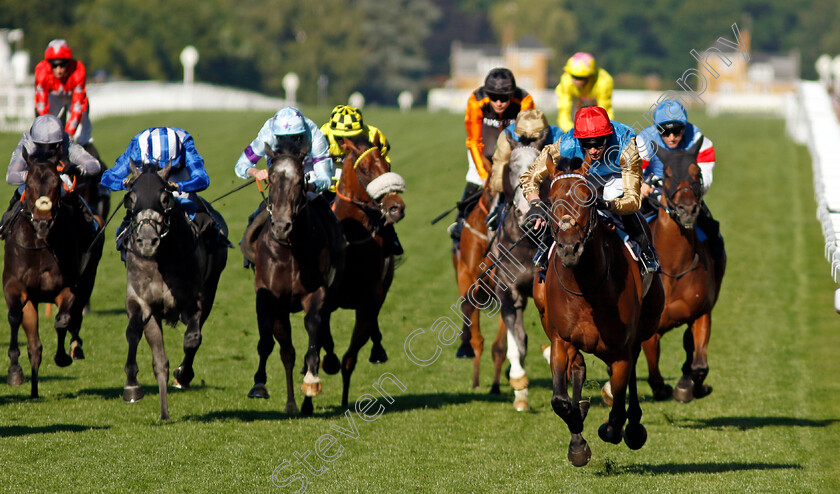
pixel 543 248
pixel 10 212
pixel 494 219
pixel 711 228
pixel 636 231
pixel 390 242
pixel 465 206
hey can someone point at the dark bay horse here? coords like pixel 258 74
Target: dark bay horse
pixel 51 255
pixel 172 275
pixel 690 275
pixel 367 200
pixel 594 300
pixel 299 258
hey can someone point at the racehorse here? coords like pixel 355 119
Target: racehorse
pixel 172 274
pixel 690 275
pixel 595 300
pixel 298 257
pixel 367 200
pixel 467 258
pixel 51 255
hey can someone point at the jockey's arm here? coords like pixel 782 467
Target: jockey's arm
pixel 706 162
pixel 79 104
pixel 83 161
pixel 501 157
pixel 42 92
pixel 199 180
pixel 631 178
pixel 16 174
pixel 253 153
pixel 473 121
pixel 537 172
pixel 322 164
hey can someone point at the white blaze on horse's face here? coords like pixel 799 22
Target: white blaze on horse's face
pixel 43 203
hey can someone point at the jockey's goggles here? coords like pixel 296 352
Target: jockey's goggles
pixel 667 129
pixel 593 142
pixel 58 63
pixel 503 98
pixel 584 78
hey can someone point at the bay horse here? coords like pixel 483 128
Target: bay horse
pixel 172 274
pixel 690 274
pixel 298 258
pixel 51 255
pixel 594 300
pixel 467 259
pixel 367 200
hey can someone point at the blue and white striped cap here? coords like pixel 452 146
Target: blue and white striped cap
pixel 160 145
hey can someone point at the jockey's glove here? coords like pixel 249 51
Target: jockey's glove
pixel 173 186
pixel 319 182
pixel 602 204
pixel 536 212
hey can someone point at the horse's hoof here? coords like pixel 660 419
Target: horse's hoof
pixel 662 393
pixel 182 378
pixel 683 395
pixel 259 391
pixel 635 436
pixel 331 364
pixel 76 351
pixel 609 434
pixel 291 408
pixel 580 455
pixel 518 383
pixel 310 389
pixel 702 391
pixel 62 360
pixel 521 405
pixel 15 377
pixel 377 354
pixel 494 389
pixel 132 394
pixel 465 351
pixel 306 409
pixel 606 394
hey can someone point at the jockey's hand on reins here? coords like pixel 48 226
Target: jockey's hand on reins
pixel 537 215
pixel 604 205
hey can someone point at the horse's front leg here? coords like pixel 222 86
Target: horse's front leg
pixel 160 363
pixel 33 343
pixel 559 359
pixel 65 300
pixel 15 299
pixel 661 390
pixel 283 334
pixel 696 366
pixel 138 314
pixel 312 304
pixel 266 315
pixel 366 316
pixel 635 434
pixel 610 431
pixel 513 303
pixel 184 374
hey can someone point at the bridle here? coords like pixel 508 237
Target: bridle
pixel 373 208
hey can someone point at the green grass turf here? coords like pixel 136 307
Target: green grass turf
pixel 771 424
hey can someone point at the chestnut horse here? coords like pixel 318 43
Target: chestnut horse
pixel 367 200
pixel 595 300
pixel 690 275
pixel 298 258
pixel 51 255
pixel 172 274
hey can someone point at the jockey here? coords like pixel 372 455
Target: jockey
pixel 490 109
pixel 47 137
pixel 288 128
pixel 347 122
pixel 615 165
pixel 673 131
pixel 582 84
pixel 60 84
pixel 163 146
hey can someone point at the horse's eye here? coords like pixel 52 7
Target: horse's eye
pixel 167 201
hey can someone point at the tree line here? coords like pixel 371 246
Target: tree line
pixel 384 47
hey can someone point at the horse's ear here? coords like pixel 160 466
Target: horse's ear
pixel 510 139
pixel 351 145
pixel 376 141
pixel 695 149
pixel 270 154
pixel 133 166
pixel 541 140
pixel 568 165
pixel 24 153
pixel 164 172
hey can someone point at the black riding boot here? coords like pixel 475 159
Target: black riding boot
pixel 711 228
pixel 494 219
pixel 465 206
pixel 636 231
pixel 390 242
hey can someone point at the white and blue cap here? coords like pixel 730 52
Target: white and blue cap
pixel 288 121
pixel 160 145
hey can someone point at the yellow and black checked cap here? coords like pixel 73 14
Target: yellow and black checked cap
pixel 346 121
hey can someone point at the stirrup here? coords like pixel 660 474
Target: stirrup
pixel 649 263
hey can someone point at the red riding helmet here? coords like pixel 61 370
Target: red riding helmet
pixel 58 50
pixel 592 121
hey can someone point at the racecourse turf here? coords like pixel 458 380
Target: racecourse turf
pixel 772 423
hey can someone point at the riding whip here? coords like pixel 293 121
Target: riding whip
pixel 249 182
pixel 457 205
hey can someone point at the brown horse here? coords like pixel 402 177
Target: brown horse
pixel 51 255
pixel 469 261
pixel 367 200
pixel 690 275
pixel 298 258
pixel 595 300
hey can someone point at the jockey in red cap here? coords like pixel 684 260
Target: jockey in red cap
pixel 60 83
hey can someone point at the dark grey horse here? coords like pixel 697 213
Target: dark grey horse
pixel 172 275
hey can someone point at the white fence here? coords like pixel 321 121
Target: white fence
pixel 17 106
pixel 811 120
